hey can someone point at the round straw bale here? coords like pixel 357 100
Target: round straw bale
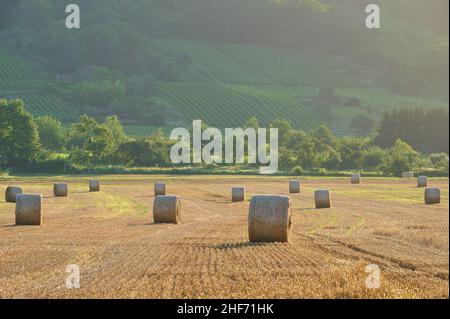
pixel 294 187
pixel 322 198
pixel 28 209
pixel 356 178
pixel 432 196
pixel 11 193
pixel 94 186
pixel 160 189
pixel 269 218
pixel 238 194
pixel 167 209
pixel 60 190
pixel 408 175
pixel 422 181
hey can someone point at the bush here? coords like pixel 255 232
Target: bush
pixel 54 166
pixel 362 123
pixel 297 170
pixel 99 93
pixel 439 160
pixel 402 157
pixel 373 157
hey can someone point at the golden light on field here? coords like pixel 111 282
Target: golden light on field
pixel 121 253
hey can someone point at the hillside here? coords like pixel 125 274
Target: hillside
pixel 226 84
pixel 163 64
pixel 19 79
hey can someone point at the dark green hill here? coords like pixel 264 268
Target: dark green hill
pixel 165 63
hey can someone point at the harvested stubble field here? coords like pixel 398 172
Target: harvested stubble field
pixel 122 254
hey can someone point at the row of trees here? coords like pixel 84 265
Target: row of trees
pixel 24 139
pixel 426 130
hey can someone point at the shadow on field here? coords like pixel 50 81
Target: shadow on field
pixel 218 201
pixel 20 226
pixel 243 244
pixel 149 224
pixel 306 209
pixel 9 226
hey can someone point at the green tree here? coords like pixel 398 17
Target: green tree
pixel 362 123
pixel 373 157
pixel 350 150
pixel 51 133
pixel 91 142
pixel 284 129
pixel 402 157
pixel 251 123
pixel 19 137
pixel 151 151
pixel 99 93
pixel 113 124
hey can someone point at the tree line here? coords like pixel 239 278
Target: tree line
pixel 26 140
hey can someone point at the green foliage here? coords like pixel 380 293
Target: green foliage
pixel 297 170
pixel 93 143
pixel 155 62
pixel 51 132
pixel 19 137
pixel 440 161
pixel 362 123
pixel 284 128
pixel 99 93
pixel 425 130
pixel 151 151
pixel 252 122
pixel 352 153
pixel 113 124
pixel 373 157
pixel 401 158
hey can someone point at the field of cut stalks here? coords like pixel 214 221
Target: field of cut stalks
pixel 121 253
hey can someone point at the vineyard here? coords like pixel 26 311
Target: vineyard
pixel 209 64
pixel 231 63
pixel 226 84
pixel 19 79
pixel 297 67
pixel 232 105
